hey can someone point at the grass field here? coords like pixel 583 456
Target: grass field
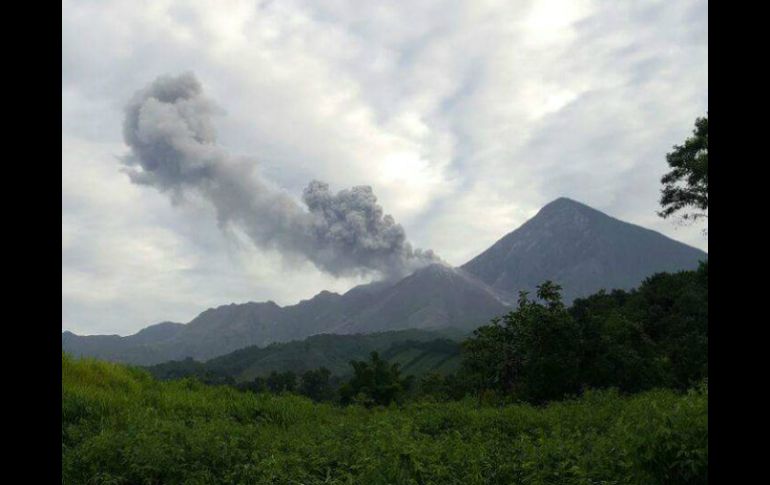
pixel 121 426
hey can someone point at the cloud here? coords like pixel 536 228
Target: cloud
pixel 464 118
pixel 170 131
pixel 131 259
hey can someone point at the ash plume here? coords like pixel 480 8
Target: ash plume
pixel 168 127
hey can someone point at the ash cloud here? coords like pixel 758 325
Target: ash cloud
pixel 168 127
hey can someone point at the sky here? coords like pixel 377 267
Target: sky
pixel 465 118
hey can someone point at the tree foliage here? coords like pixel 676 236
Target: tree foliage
pixel 278 382
pixel 686 185
pixel 655 336
pixel 530 353
pixel 374 382
pixel 316 384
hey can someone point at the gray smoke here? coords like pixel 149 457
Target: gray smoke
pixel 168 126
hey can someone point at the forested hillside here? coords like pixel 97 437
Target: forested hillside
pixel 413 349
pixel 652 336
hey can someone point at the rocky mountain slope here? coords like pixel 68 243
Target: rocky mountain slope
pixel 433 297
pixel 581 249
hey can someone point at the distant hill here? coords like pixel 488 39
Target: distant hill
pixel 417 351
pixel 433 297
pixel 570 243
pixel 581 249
pixel 141 347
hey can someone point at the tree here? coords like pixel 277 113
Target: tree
pixel 532 353
pixel 281 382
pixel 258 385
pixel 316 385
pixel 375 382
pixel 654 336
pixel 686 186
pixel 434 385
pixel 615 350
pixel 673 310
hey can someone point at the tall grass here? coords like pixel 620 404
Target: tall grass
pixel 119 426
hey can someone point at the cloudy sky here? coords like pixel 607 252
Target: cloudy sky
pixel 465 117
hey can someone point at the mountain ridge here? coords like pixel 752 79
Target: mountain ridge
pixel 582 249
pixel 431 298
pixel 568 242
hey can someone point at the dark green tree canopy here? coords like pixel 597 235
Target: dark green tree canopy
pixel 278 382
pixel 530 353
pixel 375 382
pixel 316 384
pixel 686 186
pixel 654 336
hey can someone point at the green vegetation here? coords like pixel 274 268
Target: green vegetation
pixel 374 382
pixel 418 352
pixel 686 185
pixel 612 390
pixel 655 336
pixel 440 356
pixel 317 385
pixel 121 426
